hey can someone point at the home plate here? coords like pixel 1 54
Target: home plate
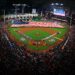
pixel 22 39
pixel 51 40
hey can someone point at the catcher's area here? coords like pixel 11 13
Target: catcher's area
pixel 37 39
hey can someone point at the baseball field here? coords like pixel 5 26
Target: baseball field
pixel 38 38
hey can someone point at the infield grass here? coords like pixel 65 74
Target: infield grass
pixel 37 34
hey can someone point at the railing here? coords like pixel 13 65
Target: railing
pixel 20 15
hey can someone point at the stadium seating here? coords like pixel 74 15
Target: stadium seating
pixel 19 22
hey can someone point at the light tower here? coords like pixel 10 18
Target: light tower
pixel 23 6
pixel 4 15
pixel 71 19
pixel 16 7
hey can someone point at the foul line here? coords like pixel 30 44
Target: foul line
pixel 58 38
pixel 50 36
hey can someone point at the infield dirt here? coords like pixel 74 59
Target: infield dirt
pixel 25 29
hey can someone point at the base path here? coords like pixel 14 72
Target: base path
pixel 26 29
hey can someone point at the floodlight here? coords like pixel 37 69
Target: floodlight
pixel 56 3
pixel 61 4
pixel 52 4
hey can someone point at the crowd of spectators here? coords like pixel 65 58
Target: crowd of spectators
pixel 17 59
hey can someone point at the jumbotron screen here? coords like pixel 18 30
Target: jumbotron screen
pixel 60 12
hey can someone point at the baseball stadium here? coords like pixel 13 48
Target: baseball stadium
pixel 37 37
